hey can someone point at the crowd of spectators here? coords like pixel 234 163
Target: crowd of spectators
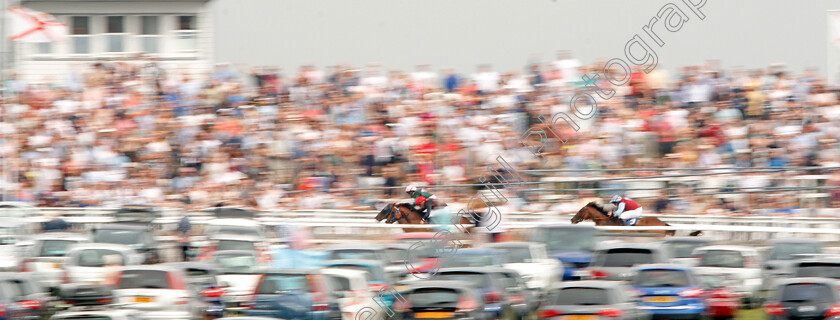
pixel 262 137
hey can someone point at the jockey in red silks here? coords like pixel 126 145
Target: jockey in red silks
pixel 423 199
pixel 627 208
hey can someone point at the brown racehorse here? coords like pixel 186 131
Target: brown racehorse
pixel 404 213
pixel 594 212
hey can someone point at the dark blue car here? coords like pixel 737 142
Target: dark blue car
pixel 293 294
pixel 573 245
pixel 670 291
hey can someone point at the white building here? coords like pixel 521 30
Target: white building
pixel 177 33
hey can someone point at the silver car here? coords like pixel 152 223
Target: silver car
pixel 47 256
pixel 159 291
pixel 592 300
pixel 737 264
pixel 86 262
pixel 615 261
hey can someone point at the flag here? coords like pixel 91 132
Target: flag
pixel 28 25
pixel 834 28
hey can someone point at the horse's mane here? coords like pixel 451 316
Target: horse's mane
pixel 597 207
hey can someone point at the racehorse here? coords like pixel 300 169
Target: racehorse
pixel 404 213
pixel 594 212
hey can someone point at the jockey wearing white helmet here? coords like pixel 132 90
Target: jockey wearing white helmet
pixel 627 208
pixel 423 199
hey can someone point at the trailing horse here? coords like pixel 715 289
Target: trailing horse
pixel 594 212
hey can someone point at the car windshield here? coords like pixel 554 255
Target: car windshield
pixel 517 254
pixel 358 254
pixel 55 248
pixel 242 263
pixel 276 283
pixel 722 259
pixel 375 273
pixel 823 270
pixel 625 257
pixel 438 297
pixel 126 237
pixel 477 279
pixel 788 251
pixel 470 260
pixel 200 277
pixel 580 296
pixel 663 278
pixel 144 279
pixel 684 249
pixel 96 257
pixel 566 239
pixel 807 292
pixel 223 245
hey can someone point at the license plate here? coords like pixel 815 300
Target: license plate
pixel 56 265
pixel 660 299
pixel 144 299
pixel 806 308
pixel 580 317
pixel 434 315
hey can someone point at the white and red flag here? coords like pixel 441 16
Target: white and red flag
pixel 28 25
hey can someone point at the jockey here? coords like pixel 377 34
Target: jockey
pixel 627 208
pixel 423 199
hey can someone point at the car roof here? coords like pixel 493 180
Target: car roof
pixel 821 259
pixel 360 262
pixel 629 245
pixel 345 272
pixel 828 281
pixel 153 267
pixel 513 244
pixel 99 245
pixel 191 265
pixel 469 251
pixel 123 226
pixel 234 252
pixel 355 246
pixel 403 246
pixel 235 237
pixel 292 271
pixel 667 266
pixel 728 248
pixel 60 236
pixel 589 283
pixel 449 284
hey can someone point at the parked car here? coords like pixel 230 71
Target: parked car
pixel 616 261
pixel 86 261
pixel 473 257
pixel 441 299
pixel 823 267
pixel 159 291
pixel 357 251
pixel 592 300
pixel 376 273
pixel 350 288
pixel 572 245
pixel 99 313
pixel 738 264
pixel 293 294
pixel 489 284
pixel 680 249
pixel 202 281
pixel 84 294
pixel 48 255
pixel 804 298
pixel 239 272
pixel 223 242
pixel 138 236
pixel 26 293
pixel 721 302
pixel 523 300
pixel 423 259
pixel 531 261
pixel 782 254
pixel 670 291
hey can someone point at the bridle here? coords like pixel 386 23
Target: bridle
pixel 392 216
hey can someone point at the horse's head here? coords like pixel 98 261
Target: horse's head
pixel 588 213
pixel 385 213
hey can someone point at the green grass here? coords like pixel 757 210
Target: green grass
pixel 750 314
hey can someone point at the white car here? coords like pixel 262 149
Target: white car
pixel 238 275
pixel 531 261
pixel 350 287
pixel 86 261
pixel 103 313
pixel 48 255
pixel 739 265
pixel 159 291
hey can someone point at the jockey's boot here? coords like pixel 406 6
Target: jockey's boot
pixel 426 215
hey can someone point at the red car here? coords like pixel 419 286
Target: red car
pixel 721 303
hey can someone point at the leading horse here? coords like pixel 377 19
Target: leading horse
pixel 594 212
